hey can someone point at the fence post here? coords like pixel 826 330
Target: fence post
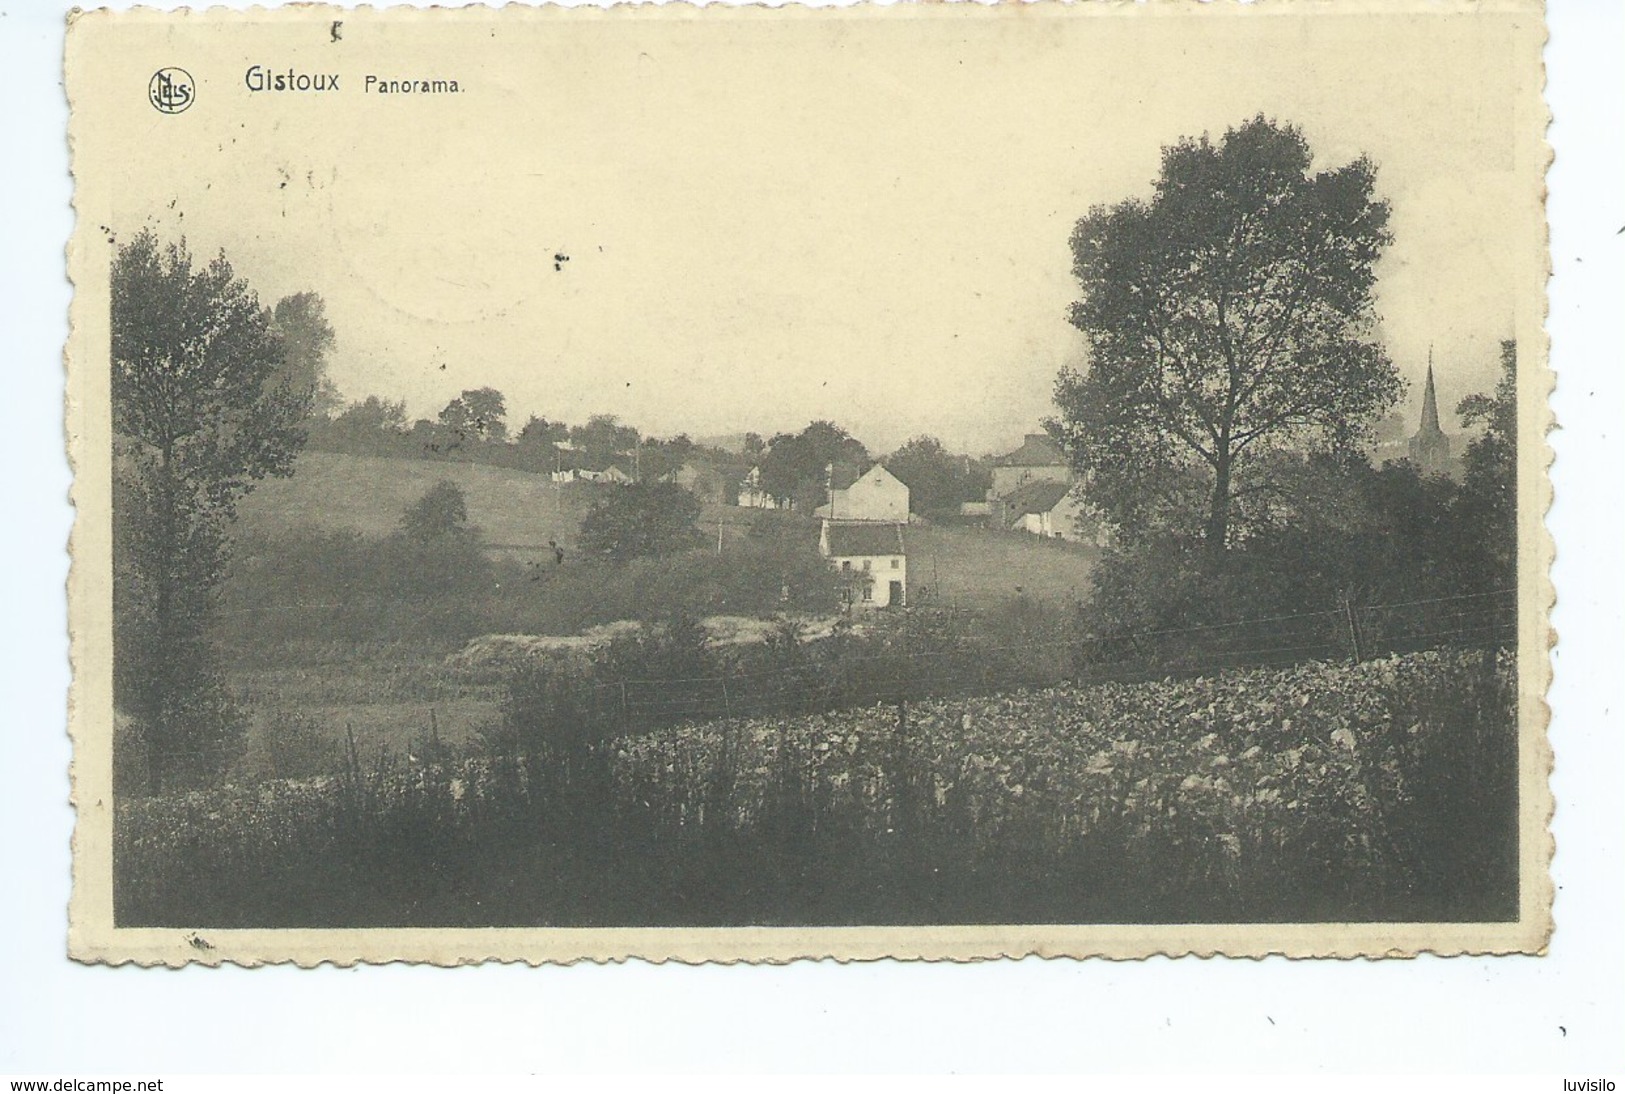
pixel 900 789
pixel 727 705
pixel 1353 629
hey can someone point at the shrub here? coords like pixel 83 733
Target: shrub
pixel 641 519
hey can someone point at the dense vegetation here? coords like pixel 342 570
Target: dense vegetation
pixel 203 409
pixel 1383 791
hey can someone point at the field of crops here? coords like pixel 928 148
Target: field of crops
pixel 1384 790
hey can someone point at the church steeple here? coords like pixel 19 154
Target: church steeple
pixel 1430 402
pixel 1430 448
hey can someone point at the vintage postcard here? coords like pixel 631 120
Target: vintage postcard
pixel 733 483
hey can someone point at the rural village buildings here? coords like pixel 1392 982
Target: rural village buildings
pixel 860 532
pixel 1039 459
pixel 871 556
pixel 752 496
pixel 861 523
pixel 612 473
pixel 1044 508
pixel 876 494
pixel 1032 492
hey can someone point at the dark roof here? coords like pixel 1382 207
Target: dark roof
pixel 1036 497
pixel 865 538
pixel 1038 450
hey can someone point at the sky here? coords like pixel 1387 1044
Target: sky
pixel 769 221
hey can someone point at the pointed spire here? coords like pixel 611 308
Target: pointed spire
pixel 1430 402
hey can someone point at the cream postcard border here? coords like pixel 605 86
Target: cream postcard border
pixel 93 938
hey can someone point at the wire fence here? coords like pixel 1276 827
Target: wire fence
pixel 913 662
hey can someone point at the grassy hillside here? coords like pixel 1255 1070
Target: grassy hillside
pixel 328 490
pixel 519 512
pixel 980 568
pixel 307 680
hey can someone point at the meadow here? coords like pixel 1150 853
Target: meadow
pixel 331 491
pixel 518 512
pixel 981 569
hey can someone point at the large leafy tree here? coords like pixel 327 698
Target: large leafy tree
pixel 1228 317
pixel 476 417
pixel 440 513
pixel 369 427
pixel 937 480
pixel 536 446
pixel 641 519
pixel 307 342
pixel 201 412
pixel 796 465
pixel 1489 488
pixel 603 439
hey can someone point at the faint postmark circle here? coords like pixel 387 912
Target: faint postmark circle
pixel 171 90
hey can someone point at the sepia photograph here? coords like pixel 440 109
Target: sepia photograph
pixel 748 484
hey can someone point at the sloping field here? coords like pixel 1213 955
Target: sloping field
pixel 980 568
pixel 329 490
pixel 518 512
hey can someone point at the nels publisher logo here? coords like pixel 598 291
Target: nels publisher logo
pixel 171 90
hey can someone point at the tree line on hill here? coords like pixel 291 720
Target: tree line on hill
pixel 792 468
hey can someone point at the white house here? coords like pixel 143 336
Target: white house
pixel 875 495
pixel 1044 509
pixel 871 557
pixel 1052 510
pixel 613 473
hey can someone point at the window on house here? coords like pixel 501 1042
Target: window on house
pixel 846 564
pixel 894 563
pixel 868 592
pixel 866 565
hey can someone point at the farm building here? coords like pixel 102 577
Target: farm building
pixel 1048 509
pixel 1039 459
pixel 875 495
pixel 612 473
pixel 870 554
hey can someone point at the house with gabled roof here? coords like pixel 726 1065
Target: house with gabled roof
pixel 1039 459
pixel 871 559
pixel 874 495
pixel 1049 509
